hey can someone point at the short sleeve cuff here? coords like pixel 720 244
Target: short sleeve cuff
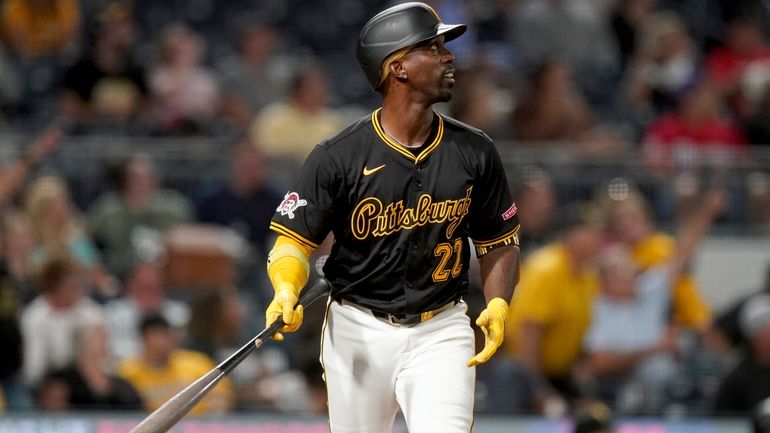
pixel 285 231
pixel 483 247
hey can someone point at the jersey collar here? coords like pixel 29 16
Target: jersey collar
pixel 399 148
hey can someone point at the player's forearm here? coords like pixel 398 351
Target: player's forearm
pixel 498 268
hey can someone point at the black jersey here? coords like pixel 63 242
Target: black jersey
pixel 401 222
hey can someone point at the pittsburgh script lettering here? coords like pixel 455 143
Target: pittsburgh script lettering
pixel 371 218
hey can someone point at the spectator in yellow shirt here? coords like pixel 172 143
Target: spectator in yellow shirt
pixel 289 129
pixel 162 370
pixel 630 222
pixel 33 28
pixel 551 308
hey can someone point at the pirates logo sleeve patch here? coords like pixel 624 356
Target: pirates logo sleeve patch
pixel 290 203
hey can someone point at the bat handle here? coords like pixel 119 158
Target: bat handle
pixel 230 363
pixel 307 297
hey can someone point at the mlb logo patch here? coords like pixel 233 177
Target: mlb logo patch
pixel 290 203
pixel 510 212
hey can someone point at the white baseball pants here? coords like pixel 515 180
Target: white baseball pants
pixel 372 368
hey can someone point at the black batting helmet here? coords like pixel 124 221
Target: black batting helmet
pixel 396 28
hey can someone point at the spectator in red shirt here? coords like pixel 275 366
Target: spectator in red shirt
pixel 694 138
pixel 693 133
pixel 744 58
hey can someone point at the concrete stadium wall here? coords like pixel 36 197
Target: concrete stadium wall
pixel 729 268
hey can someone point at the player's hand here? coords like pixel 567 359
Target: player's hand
pixel 492 323
pixel 286 297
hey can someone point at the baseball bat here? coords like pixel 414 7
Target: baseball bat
pixel 163 418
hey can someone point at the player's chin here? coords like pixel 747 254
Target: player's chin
pixel 444 95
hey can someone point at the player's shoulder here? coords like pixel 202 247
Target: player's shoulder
pixel 454 126
pixel 350 135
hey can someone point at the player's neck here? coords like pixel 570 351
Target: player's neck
pixel 408 123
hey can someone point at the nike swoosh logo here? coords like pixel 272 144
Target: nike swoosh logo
pixel 368 171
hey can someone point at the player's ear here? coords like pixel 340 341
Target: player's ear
pixel 397 69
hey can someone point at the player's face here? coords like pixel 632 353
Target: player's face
pixel 430 69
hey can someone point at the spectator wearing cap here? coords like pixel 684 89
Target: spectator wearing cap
pixel 748 383
pixel 551 309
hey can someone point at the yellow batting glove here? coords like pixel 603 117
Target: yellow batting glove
pixel 492 323
pixel 288 269
pixel 285 298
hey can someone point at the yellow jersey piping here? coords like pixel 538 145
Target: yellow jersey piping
pixel 398 147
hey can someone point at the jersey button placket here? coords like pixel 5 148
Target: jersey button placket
pixel 417 177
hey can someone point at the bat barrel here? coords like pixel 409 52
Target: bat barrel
pixel 177 407
pixel 162 419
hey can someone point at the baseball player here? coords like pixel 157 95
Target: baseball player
pixel 402 190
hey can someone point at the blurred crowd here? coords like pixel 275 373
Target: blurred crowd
pixel 607 312
pixel 122 304
pixel 676 76
pixel 116 301
pixel 679 84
